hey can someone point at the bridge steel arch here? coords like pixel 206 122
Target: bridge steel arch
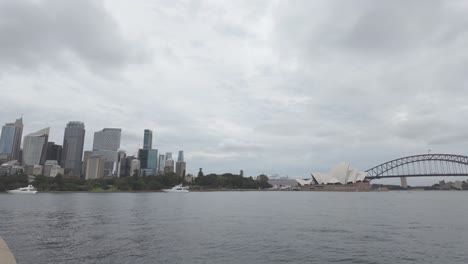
pixel 425 165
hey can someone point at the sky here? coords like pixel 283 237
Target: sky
pixel 274 87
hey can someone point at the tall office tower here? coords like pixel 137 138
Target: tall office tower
pixel 121 157
pixel 134 167
pixel 180 164
pixel 169 166
pixel 106 144
pixel 95 167
pixel 161 163
pixel 148 161
pixel 168 155
pixel 148 139
pixel 84 165
pixel 181 156
pixel 54 152
pixel 180 168
pixel 35 147
pixel 10 140
pixel 73 142
pixel 125 166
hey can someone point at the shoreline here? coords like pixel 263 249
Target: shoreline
pixel 6 256
pixel 242 190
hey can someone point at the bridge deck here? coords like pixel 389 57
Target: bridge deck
pixel 418 175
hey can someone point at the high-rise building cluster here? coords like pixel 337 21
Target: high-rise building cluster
pixel 39 156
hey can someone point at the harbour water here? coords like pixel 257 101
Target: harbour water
pixel 237 227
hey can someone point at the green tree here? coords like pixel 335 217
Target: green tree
pixel 263 181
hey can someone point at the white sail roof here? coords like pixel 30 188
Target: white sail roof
pixel 341 173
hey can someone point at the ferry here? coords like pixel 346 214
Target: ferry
pixel 24 190
pixel 177 189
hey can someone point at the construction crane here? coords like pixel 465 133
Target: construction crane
pixel 136 152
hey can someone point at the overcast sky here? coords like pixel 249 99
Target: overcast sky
pixel 275 87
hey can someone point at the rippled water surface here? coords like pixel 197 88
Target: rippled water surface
pixel 237 227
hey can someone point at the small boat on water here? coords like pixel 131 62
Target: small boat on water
pixel 26 190
pixel 177 189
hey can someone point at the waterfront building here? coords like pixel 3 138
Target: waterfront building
pixel 95 167
pixel 148 139
pixel 35 147
pixel 134 167
pixel 33 170
pixel 148 160
pixel 73 142
pixel 10 140
pixel 52 168
pixel 106 144
pixel 280 182
pixel 37 170
pixel 180 168
pixel 8 168
pixel 340 174
pixel 54 152
pixel 169 166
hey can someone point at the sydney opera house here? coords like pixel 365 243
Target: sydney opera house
pixel 340 178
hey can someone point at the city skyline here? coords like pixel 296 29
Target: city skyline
pixel 269 83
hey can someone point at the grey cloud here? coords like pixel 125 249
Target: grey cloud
pixel 47 32
pixel 393 26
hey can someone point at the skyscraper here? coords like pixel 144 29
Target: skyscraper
pixel 169 166
pixel 35 147
pixel 73 142
pixel 180 168
pixel 106 144
pixel 95 167
pixel 10 140
pixel 180 164
pixel 54 152
pixel 148 139
pixel 84 165
pixel 107 139
pixel 161 164
pixel 148 161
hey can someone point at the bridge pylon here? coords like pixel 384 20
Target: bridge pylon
pixel 404 182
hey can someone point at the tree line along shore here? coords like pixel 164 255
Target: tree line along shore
pixel 60 183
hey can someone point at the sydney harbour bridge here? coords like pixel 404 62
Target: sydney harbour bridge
pixel 425 165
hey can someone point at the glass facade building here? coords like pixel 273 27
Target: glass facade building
pixel 181 156
pixel 106 144
pixel 6 140
pixel 54 152
pixel 148 159
pixel 35 147
pixel 10 140
pixel 73 142
pixel 148 139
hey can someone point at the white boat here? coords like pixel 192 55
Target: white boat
pixel 177 189
pixel 26 190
